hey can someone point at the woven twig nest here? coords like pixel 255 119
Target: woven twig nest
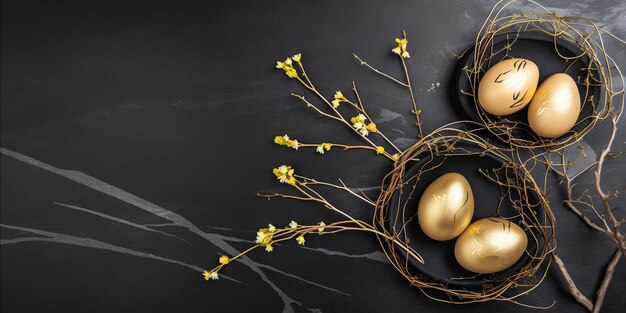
pixel 569 44
pixel 515 188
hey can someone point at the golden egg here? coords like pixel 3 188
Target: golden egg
pixel 446 207
pixel 508 86
pixel 555 107
pixel 490 245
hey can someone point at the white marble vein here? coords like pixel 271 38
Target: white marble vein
pixel 119 220
pixel 377 256
pixel 175 219
pixel 90 243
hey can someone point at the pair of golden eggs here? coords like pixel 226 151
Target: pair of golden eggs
pixel 485 246
pixel 510 85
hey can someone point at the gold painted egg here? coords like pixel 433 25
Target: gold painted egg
pixel 555 107
pixel 490 245
pixel 446 207
pixel 508 86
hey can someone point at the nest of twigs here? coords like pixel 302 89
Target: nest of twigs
pixel 498 36
pixel 516 184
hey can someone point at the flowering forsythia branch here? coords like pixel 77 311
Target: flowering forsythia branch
pixel 401 51
pixel 362 124
pixel 268 236
pixel 265 238
pixel 323 147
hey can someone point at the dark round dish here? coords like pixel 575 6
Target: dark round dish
pixel 440 262
pixel 540 49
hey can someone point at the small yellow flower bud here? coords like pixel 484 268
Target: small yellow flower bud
pixel 291 73
pixel 224 259
pixel 380 150
pixel 372 127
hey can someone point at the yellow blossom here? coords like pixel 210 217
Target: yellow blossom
pixel 296 57
pixel 281 140
pixel 269 248
pixel 271 228
pixel 321 229
pixel 380 150
pixel 358 122
pixel 293 144
pixel 395 157
pixel 286 141
pixel 338 98
pixel 224 259
pixel 291 73
pixel 263 236
pixel 210 275
pixel 358 119
pixel 285 173
pixel 260 235
pixel 287 66
pixel 323 146
pixel 401 48
pixel 293 224
pixel 300 240
pixel 372 127
pixel 320 149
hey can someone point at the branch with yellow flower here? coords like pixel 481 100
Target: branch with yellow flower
pixel 403 54
pixel 362 124
pixel 324 147
pixel 267 237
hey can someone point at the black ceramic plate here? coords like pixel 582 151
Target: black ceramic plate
pixel 440 263
pixel 540 49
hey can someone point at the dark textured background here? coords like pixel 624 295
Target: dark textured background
pixel 175 104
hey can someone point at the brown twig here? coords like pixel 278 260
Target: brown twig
pixel 576 293
pixel 608 275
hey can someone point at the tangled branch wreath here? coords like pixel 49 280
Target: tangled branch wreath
pixel 516 184
pixel 579 32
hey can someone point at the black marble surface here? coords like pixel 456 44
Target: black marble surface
pixel 135 136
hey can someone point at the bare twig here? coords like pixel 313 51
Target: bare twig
pixel 576 293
